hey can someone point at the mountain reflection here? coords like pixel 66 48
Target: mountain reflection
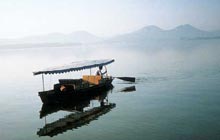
pixel 79 114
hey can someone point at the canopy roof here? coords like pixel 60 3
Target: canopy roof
pixel 75 66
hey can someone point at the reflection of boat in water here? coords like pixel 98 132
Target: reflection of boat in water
pixel 128 89
pixel 74 120
pixel 78 117
pixel 69 89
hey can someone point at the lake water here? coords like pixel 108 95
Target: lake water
pixel 177 92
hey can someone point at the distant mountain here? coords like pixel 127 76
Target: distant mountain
pixel 74 37
pixel 78 37
pixel 146 35
pixel 189 32
pixel 150 33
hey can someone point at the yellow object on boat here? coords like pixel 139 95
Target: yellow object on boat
pixel 93 79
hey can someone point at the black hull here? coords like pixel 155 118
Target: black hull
pixel 53 97
pixel 78 105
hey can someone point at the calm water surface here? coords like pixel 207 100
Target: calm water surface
pixel 177 93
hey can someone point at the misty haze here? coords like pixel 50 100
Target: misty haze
pixel 176 93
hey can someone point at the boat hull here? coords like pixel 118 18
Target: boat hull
pixel 54 97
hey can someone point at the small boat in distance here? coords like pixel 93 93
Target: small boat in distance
pixel 76 89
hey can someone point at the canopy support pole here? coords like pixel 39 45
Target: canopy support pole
pixel 43 81
pixel 106 71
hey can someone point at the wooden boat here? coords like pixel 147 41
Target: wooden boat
pixel 76 89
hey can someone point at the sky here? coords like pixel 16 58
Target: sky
pixel 19 18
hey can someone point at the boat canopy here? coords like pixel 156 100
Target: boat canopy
pixel 75 66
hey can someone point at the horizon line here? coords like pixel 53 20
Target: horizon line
pixel 127 32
